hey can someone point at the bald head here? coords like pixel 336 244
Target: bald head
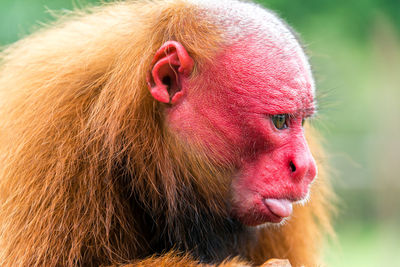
pixel 248 24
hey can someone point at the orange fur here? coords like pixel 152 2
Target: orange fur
pixel 76 119
pixel 174 259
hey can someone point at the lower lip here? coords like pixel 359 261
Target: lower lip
pixel 280 208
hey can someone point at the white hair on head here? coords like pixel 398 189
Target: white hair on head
pixel 240 20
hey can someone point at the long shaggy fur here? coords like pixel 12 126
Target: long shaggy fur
pixel 89 174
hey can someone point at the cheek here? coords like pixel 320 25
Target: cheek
pixel 266 176
pixel 209 119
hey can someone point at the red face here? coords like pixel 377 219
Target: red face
pixel 248 109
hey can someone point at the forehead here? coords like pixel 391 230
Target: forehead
pixel 275 73
pixel 272 77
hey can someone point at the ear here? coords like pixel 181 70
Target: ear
pixel 170 64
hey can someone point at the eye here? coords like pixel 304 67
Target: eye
pixel 280 121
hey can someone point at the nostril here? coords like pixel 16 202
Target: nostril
pixel 292 166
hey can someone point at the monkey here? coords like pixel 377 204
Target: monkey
pixel 160 133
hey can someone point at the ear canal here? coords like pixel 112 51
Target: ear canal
pixel 166 78
pixel 170 64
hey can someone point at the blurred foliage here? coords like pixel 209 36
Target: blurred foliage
pixel 354 48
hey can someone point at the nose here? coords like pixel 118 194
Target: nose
pixel 302 164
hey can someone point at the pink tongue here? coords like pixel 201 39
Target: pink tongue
pixel 279 207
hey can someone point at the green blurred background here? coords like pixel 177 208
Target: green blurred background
pixel 355 51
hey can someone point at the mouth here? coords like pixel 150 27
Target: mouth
pixel 281 208
pixel 268 210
